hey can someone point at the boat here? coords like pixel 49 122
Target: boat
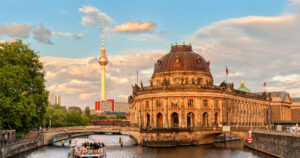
pixel 86 148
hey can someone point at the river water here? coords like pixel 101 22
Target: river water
pixel 232 149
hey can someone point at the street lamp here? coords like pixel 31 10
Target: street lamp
pixel 50 121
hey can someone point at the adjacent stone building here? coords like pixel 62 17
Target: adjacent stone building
pixel 182 94
pixel 295 108
pixel 281 106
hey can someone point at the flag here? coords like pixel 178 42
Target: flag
pixel 265 84
pixel 227 71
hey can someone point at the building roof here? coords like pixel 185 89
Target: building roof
pixel 181 58
pixel 295 99
pixel 283 95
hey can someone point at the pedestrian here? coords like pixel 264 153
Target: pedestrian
pixel 5 138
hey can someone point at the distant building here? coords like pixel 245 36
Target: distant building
pixel 54 99
pixel 295 108
pixel 76 108
pixel 111 106
pixel 58 100
pixel 51 98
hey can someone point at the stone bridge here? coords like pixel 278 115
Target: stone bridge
pixel 52 135
pixel 188 136
pixel 147 137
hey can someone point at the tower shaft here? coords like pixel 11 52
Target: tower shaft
pixel 103 82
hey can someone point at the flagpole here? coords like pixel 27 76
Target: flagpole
pixel 226 71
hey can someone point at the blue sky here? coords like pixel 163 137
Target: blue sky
pixel 178 18
pixel 257 39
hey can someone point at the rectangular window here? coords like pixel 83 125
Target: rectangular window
pixel 147 104
pixel 216 103
pixel 193 81
pixel 186 81
pixel 158 103
pixel 205 103
pixel 190 102
pixel 199 81
pixel 174 103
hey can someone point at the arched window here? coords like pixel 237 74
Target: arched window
pixel 199 81
pixel 205 119
pixel 159 120
pixel 190 120
pixel 174 120
pixel 216 118
pixel 148 120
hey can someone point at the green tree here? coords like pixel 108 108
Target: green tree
pixel 87 111
pixel 75 118
pixel 23 98
pixel 58 116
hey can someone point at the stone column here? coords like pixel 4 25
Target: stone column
pixel 221 111
pixel 152 114
pixel 212 114
pixel 198 112
pixel 182 122
pixel 166 113
pixel 141 113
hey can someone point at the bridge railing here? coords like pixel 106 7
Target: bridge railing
pixel 91 128
pixel 271 131
pixel 36 137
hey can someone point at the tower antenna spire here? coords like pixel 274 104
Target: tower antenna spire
pixel 102 19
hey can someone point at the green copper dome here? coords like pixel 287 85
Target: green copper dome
pixel 243 88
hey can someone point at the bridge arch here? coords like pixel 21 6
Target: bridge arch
pixel 210 137
pixel 53 135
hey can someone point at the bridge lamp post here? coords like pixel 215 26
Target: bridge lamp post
pixel 50 121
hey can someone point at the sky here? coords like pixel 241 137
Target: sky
pixel 257 40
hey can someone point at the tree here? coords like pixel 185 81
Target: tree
pixel 58 116
pixel 23 97
pixel 87 111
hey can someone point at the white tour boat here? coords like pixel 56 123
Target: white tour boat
pixel 86 148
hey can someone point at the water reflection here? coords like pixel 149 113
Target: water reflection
pixel 130 150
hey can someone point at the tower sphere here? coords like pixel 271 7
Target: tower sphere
pixel 103 60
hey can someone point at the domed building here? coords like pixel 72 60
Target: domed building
pixel 243 88
pixel 182 95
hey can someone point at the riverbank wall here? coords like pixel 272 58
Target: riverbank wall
pixel 276 144
pixel 11 150
pixel 33 141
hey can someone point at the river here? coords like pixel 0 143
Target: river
pixel 232 149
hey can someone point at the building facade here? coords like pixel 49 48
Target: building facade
pixel 182 95
pixel 295 108
pixel 280 106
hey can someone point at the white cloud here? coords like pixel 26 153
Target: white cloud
pixel 86 96
pixel 136 27
pixel 258 48
pixel 93 16
pixel 19 31
pixel 287 78
pixel 42 34
pixel 68 34
pixel 63 12
pixel 82 77
pixel 145 37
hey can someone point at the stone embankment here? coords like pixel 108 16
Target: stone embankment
pixel 277 144
pixel 31 141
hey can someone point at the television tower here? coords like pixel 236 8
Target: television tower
pixel 103 62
